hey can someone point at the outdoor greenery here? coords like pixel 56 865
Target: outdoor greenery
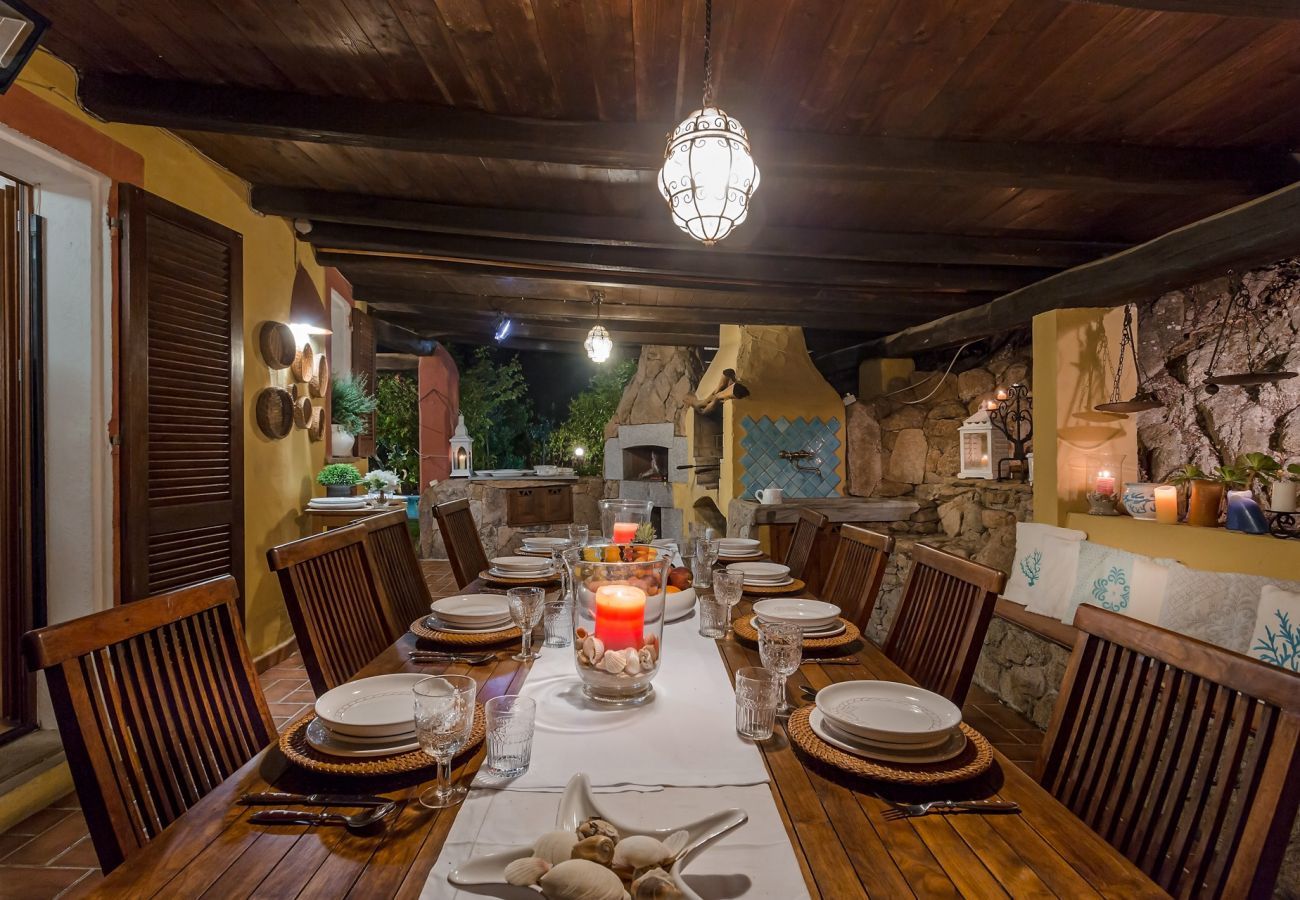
pixel 589 412
pixel 397 426
pixel 338 473
pixel 351 403
pixel 497 409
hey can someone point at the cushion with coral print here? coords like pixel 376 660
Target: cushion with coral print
pixel 1042 574
pixel 1277 628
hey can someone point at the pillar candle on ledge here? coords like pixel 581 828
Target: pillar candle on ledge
pixel 1167 504
pixel 620 616
pixel 1105 483
pixel 624 532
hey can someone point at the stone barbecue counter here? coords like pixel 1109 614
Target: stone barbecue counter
pixel 525 481
pixel 744 515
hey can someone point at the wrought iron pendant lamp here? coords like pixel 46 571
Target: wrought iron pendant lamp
pixel 598 343
pixel 708 175
pixel 1246 312
pixel 1143 399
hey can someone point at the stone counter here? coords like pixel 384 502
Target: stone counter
pixel 523 481
pixel 744 515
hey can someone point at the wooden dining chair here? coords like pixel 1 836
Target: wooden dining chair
pixel 337 604
pixel 157 703
pixel 1181 754
pixel 398 566
pixel 460 537
pixel 805 534
pixel 857 570
pixel 942 618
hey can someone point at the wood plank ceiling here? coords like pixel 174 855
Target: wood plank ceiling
pixel 460 158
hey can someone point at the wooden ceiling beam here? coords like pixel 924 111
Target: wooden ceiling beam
pixel 452 328
pixel 654 266
pixel 638 147
pixel 1252 234
pixel 387 212
pixel 1257 9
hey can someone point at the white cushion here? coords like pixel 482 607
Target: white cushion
pixel 1219 607
pixel 1043 572
pixel 1277 628
pixel 1150 579
pixel 1104 578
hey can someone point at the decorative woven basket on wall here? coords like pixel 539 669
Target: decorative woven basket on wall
pixel 303 363
pixel 275 412
pixel 303 411
pixel 276 342
pixel 320 377
pixel 316 430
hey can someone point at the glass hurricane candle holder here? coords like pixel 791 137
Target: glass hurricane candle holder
pixel 620 519
pixel 618 620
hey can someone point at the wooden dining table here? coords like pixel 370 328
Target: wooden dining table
pixel 846 844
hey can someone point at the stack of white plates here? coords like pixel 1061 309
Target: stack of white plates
pixel 368 717
pixel 543 544
pixel 337 503
pixel 816 618
pixel 888 721
pixel 520 567
pixel 470 613
pixel 763 574
pixel 737 548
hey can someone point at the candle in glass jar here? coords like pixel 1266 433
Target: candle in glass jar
pixel 620 616
pixel 624 532
pixel 1001 394
pixel 1167 504
pixel 1105 483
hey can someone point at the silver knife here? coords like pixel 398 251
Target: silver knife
pixel 275 798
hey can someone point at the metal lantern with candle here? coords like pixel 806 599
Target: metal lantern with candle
pixel 981 446
pixel 618 620
pixel 462 451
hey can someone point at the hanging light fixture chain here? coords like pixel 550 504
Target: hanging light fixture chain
pixel 708 53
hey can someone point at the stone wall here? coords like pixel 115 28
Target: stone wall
pixel 657 392
pixel 1177 332
pixel 488 503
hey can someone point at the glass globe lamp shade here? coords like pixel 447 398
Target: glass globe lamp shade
pixel 598 344
pixel 708 175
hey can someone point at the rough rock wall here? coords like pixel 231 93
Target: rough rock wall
pixel 657 392
pixel 1177 332
pixel 488 503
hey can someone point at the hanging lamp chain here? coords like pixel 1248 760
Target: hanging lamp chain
pixel 708 53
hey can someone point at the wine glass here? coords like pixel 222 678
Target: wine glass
pixel 780 647
pixel 578 534
pixel 444 718
pixel 526 605
pixel 727 588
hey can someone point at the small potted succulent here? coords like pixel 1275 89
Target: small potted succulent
pixel 1205 493
pixel 350 406
pixel 382 483
pixel 339 479
pixel 1250 469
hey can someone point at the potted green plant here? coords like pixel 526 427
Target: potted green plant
pixel 339 479
pixel 1205 493
pixel 350 406
pixel 1250 469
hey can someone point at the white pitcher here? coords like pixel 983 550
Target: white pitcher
pixel 769 496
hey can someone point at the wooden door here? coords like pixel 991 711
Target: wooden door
pixel 363 363
pixel 182 396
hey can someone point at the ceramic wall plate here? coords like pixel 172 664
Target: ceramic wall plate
pixel 577 804
pixel 888 711
pixel 371 707
pixel 799 611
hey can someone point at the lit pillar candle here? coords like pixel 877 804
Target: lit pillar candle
pixel 1167 504
pixel 624 532
pixel 1105 483
pixel 620 616
pixel 1001 394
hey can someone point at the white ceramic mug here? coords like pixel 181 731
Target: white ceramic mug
pixel 769 496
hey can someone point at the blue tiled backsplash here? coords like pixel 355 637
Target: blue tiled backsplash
pixel 765 438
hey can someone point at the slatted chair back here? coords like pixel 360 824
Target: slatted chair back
pixel 460 537
pixel 802 541
pixel 857 570
pixel 336 601
pixel 1181 754
pixel 942 618
pixel 398 566
pixel 157 703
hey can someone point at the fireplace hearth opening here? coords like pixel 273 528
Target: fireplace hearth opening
pixel 645 463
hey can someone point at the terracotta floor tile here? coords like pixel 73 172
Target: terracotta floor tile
pixel 36 883
pixel 1004 715
pixel 80 854
pixel 67 801
pixel 302 695
pixel 42 849
pixel 277 690
pixel 83 887
pixel 1031 736
pixel 10 842
pixel 287 710
pixel 39 821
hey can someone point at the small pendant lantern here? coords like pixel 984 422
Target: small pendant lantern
pixel 462 451
pixel 980 446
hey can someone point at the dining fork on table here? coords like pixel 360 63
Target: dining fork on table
pixel 911 810
pixel 357 822
pixel 431 657
pixel 832 661
pixel 275 798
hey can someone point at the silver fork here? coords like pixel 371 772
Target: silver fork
pixel 473 659
pixel 357 821
pixel 909 810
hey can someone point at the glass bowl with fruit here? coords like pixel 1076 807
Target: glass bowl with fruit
pixel 619 603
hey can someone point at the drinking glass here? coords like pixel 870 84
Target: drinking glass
pixel 757 692
pixel 705 557
pixel 444 717
pixel 715 617
pixel 526 611
pixel 780 646
pixel 727 588
pixel 510 734
pixel 557 618
pixel 578 535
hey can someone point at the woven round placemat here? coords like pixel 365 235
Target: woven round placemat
pixel 293 744
pixel 536 580
pixel 974 760
pixel 792 587
pixel 422 630
pixel 747 632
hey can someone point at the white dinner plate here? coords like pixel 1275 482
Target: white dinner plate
pixel 824 631
pixel 760 570
pixel 519 563
pixel 546 542
pixel 471 609
pixel 440 625
pixel 800 611
pixel 782 583
pixel 355 504
pixel 326 741
pixel 952 745
pixel 371 707
pixel 526 576
pixel 387 740
pixel 738 543
pixel 888 711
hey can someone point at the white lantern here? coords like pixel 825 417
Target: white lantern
pixel 708 175
pixel 598 344
pixel 462 451
pixel 980 446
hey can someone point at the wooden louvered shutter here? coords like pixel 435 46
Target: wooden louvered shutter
pixel 363 363
pixel 182 459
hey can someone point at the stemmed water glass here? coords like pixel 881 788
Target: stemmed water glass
pixel 780 647
pixel 578 534
pixel 703 561
pixel 526 605
pixel 444 718
pixel 727 588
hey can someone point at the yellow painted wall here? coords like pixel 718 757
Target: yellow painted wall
pixel 278 475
